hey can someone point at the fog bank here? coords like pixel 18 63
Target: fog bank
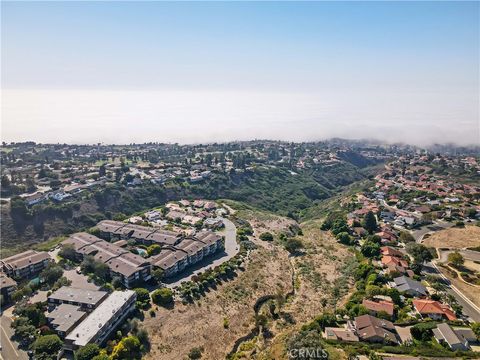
pixel 91 116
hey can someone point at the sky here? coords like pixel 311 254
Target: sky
pixel 190 72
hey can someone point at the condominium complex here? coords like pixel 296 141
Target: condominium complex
pixel 129 267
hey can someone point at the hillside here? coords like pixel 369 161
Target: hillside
pixel 277 190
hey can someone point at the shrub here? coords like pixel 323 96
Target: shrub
pixel 266 236
pixel 226 323
pixel 293 245
pixel 143 297
pixel 195 353
pixel 87 352
pixel 162 297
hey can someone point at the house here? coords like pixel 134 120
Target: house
pixel 210 205
pixel 97 326
pixel 433 309
pixel 175 215
pixel 409 286
pixel 64 318
pixel 394 264
pixel 372 329
pixel 85 299
pixel 152 215
pixel 340 334
pixel 26 264
pixel 35 198
pixel 388 250
pixel 445 334
pixel 375 307
pixel 213 223
pixel 60 196
pixel 184 203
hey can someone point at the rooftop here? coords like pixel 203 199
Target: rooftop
pixel 85 332
pixel 82 296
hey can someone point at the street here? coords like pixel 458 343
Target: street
pixel 469 308
pixel 9 351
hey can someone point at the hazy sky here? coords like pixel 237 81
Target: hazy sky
pixel 195 72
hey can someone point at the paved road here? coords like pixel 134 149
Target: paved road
pixel 231 249
pixel 469 308
pixel 467 254
pixel 10 350
pixel 430 229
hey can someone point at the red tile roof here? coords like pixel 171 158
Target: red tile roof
pixel 433 307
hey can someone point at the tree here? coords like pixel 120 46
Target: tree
pixel 162 296
pixel 370 222
pixel 476 329
pixel 5 182
pixel 406 237
pixel 154 249
pixel 325 320
pixel 293 245
pixel 266 236
pixel 30 184
pixel 345 238
pixel 67 252
pixel 370 249
pixel 158 274
pixel 87 352
pixel 423 331
pixel 143 297
pixel 456 259
pixel 51 273
pixel 128 348
pixel 419 252
pixel 102 171
pixel 47 347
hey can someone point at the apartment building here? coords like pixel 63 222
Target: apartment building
pixel 117 230
pixel 105 319
pixel 85 299
pixel 26 264
pixel 130 268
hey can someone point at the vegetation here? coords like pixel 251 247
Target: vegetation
pixel 143 298
pixel 47 347
pixel 456 259
pixel 266 236
pixel 163 297
pixel 87 352
pixel 420 253
pixel 129 348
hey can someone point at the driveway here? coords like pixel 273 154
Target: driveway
pixel 79 280
pixel 231 249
